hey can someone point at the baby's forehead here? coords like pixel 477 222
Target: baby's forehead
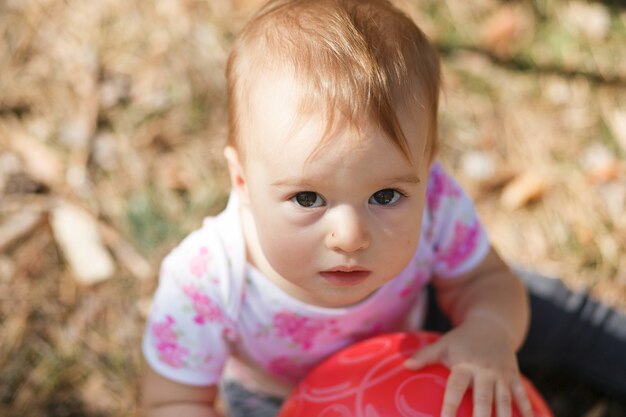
pixel 275 97
pixel 291 100
pixel 278 112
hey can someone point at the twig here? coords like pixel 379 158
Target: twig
pixel 521 64
pixel 19 225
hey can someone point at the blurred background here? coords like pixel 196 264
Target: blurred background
pixel 112 123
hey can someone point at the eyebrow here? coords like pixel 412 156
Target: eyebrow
pixel 304 183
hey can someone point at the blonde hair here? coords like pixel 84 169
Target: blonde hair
pixel 355 58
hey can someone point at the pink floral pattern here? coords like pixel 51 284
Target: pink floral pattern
pixel 462 246
pixel 409 289
pixel 301 330
pixel 440 186
pixel 288 367
pixel 200 262
pixel 206 310
pixel 166 343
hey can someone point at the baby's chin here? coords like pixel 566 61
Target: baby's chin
pixel 341 296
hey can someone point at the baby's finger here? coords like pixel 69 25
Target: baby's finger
pixel 521 398
pixel 428 355
pixel 457 385
pixel 483 396
pixel 503 400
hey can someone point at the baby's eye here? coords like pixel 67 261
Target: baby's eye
pixel 385 197
pixel 308 199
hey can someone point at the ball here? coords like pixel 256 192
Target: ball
pixel 368 379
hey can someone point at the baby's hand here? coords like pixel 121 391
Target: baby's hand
pixel 482 358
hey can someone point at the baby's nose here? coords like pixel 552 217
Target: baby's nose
pixel 349 231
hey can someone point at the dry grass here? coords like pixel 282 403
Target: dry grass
pixel 117 106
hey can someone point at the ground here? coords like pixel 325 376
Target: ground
pixel 112 120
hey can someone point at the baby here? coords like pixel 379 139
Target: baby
pixel 339 218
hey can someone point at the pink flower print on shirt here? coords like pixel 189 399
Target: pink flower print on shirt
pixel 372 329
pixel 462 246
pixel 412 286
pixel 230 335
pixel 408 289
pixel 199 264
pixel 166 343
pixel 288 368
pixel 439 186
pixel 301 330
pixel 205 308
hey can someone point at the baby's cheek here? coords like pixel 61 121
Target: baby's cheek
pixel 401 249
pixel 287 252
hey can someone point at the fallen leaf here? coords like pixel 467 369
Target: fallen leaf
pixel 76 131
pixel 144 305
pixel 504 27
pixel 522 190
pixel 478 166
pixel 10 164
pixel 613 195
pixel 96 395
pixel 7 268
pixel 592 19
pixel 76 232
pixel 173 173
pixel 126 254
pixel 600 164
pixel 42 163
pixel 18 225
pixel 617 124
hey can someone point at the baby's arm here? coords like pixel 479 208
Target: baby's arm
pixel 489 310
pixel 162 397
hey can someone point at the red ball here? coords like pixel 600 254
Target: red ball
pixel 368 379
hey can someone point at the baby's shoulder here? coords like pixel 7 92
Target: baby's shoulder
pixel 200 255
pixel 440 185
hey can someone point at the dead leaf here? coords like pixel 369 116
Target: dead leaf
pixel 173 173
pixel 7 268
pixel 504 27
pixel 617 123
pixel 613 196
pixel 522 190
pixel 478 166
pixel 144 305
pixel 10 164
pixel 18 225
pixel 42 162
pixel 76 232
pixel 600 164
pixel 76 131
pixel 592 19
pixel 126 253
pixel 96 395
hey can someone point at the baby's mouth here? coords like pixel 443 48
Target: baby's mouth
pixel 345 276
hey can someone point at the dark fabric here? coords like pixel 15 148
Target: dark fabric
pixel 244 403
pixel 569 332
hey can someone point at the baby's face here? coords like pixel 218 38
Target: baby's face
pixel 332 227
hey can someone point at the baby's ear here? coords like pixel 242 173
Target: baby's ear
pixel 237 176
